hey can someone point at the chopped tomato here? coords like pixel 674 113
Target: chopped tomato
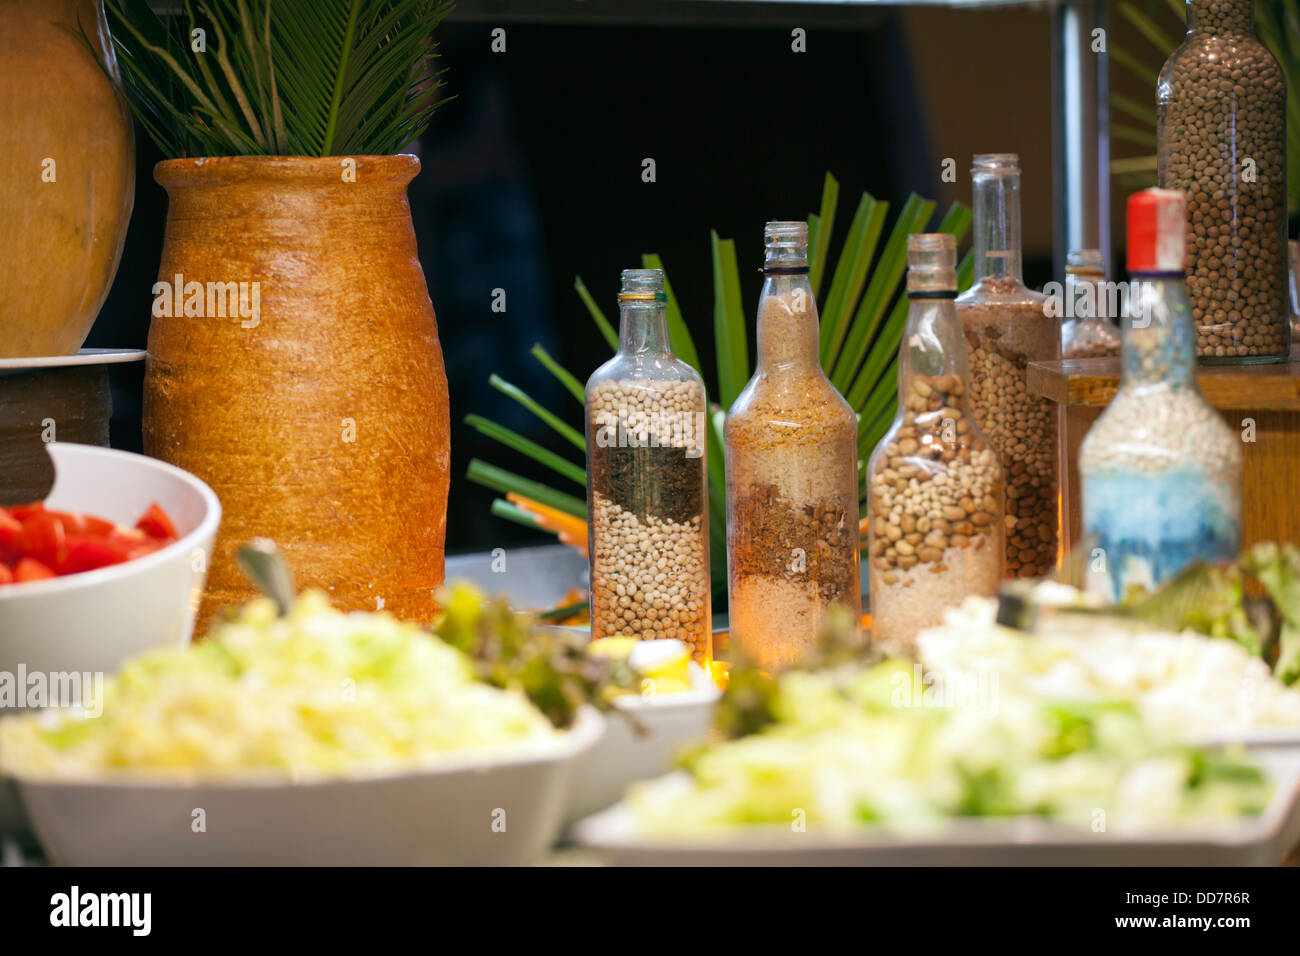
pixel 87 552
pixel 156 524
pixel 29 569
pixel 36 543
pixel 9 529
pixel 42 538
pixel 75 522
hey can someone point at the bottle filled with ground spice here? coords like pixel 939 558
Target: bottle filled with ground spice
pixel 648 526
pixel 792 475
pixel 1160 469
pixel 1086 308
pixel 934 485
pixel 1007 326
pixel 1221 140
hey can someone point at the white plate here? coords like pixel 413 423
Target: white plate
pixel 1253 738
pixel 494 810
pixel 83 357
pixel 1024 841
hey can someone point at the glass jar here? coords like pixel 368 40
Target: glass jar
pixel 1007 326
pixel 1086 329
pixel 935 486
pixel 647 501
pixel 1221 140
pixel 792 475
pixel 1160 468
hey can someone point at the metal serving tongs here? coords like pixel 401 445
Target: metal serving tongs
pixel 1022 607
pixel 265 566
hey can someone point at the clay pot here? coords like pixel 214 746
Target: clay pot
pixel 319 417
pixel 38 406
pixel 67 174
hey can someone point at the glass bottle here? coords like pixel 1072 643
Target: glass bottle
pixel 1294 258
pixel 1086 329
pixel 1007 326
pixel 1221 140
pixel 935 485
pixel 1160 468
pixel 647 501
pixel 792 475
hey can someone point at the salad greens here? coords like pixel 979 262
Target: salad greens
pixel 854 746
pixel 550 667
pixel 1254 601
pixel 314 692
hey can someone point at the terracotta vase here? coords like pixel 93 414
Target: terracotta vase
pixel 67 174
pixel 318 411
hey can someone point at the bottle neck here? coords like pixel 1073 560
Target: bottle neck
pixel 787 324
pixel 1221 16
pixel 933 344
pixel 996 206
pixel 643 327
pixel 1159 343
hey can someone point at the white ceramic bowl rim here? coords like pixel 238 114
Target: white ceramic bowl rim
pixel 206 528
pixel 587 729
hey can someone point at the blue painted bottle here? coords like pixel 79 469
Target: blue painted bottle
pixel 1160 469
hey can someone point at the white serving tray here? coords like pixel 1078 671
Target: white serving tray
pixel 1024 841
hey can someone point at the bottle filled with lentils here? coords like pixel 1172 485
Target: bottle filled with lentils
pixel 1007 326
pixel 1160 469
pixel 648 526
pixel 934 485
pixel 792 475
pixel 1221 141
pixel 1086 329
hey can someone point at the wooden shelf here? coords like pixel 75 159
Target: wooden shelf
pixel 1262 402
pixel 1093 383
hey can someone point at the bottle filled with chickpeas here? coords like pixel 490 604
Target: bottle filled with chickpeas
pixel 1221 141
pixel 647 498
pixel 935 485
pixel 1007 326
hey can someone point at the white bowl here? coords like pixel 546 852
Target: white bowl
pixel 93 621
pixel 668 722
pixel 501 809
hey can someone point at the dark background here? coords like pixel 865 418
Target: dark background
pixel 532 176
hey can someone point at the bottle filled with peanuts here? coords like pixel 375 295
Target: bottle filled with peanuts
pixel 792 476
pixel 1007 326
pixel 934 483
pixel 647 499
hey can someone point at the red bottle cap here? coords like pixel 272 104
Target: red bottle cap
pixel 1157 231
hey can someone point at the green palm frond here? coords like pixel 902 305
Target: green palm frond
pixel 279 77
pixel 862 323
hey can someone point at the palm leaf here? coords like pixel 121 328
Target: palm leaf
pixel 679 336
pixel 280 77
pixel 729 321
